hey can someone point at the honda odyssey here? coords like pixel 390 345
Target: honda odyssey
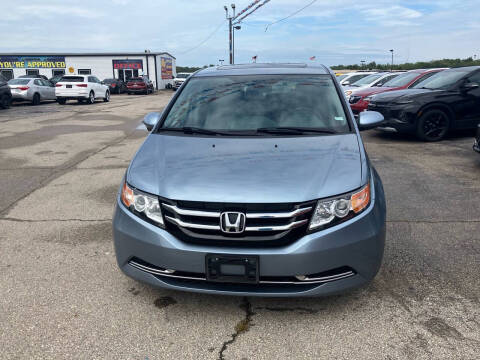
pixel 253 181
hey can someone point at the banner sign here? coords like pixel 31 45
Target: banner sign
pixel 32 62
pixel 167 72
pixel 128 64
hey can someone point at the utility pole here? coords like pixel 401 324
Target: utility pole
pixel 391 68
pixel 235 20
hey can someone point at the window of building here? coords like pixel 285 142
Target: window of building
pixel 84 71
pixel 58 72
pixel 32 72
pixel 7 73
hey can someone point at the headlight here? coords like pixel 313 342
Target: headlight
pixel 340 207
pixel 348 92
pixel 143 204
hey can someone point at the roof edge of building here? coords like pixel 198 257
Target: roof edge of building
pixel 86 54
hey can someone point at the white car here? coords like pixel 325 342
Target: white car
pixel 81 88
pixel 377 79
pixel 180 79
pixel 31 89
pixel 350 78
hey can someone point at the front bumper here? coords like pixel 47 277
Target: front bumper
pixel 356 244
pixel 399 117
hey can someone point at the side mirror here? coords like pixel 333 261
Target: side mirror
pixel 151 119
pixel 466 87
pixel 369 120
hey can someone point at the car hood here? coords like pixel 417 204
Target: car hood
pixel 256 170
pixel 402 94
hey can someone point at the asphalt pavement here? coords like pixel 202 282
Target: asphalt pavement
pixel 62 295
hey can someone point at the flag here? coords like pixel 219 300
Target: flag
pixel 312 58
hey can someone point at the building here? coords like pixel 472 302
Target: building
pixel 160 67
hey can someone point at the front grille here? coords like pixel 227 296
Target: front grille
pixel 265 224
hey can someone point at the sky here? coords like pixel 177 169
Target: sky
pixel 334 31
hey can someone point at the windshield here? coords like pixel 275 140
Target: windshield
pixel 251 102
pixel 182 76
pixel 402 80
pixel 109 81
pixel 19 81
pixel 441 80
pixel 367 80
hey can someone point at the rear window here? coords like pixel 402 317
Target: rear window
pixel 19 82
pixel 250 102
pixel 72 79
pixel 109 81
pixel 136 79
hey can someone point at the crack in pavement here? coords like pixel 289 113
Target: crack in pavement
pixel 241 327
pixel 65 168
pixel 52 220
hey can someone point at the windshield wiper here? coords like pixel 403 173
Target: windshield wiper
pixel 294 130
pixel 193 130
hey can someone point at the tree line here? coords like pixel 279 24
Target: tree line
pixel 443 63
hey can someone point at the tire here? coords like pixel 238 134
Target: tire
pixel 80 101
pixel 62 101
pixel 36 99
pixel 433 125
pixel 91 98
pixel 129 93
pixel 107 96
pixel 5 102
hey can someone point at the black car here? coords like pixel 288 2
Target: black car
pixel 447 100
pixel 5 93
pixel 476 143
pixel 116 86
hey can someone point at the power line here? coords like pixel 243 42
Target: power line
pixel 289 16
pixel 204 41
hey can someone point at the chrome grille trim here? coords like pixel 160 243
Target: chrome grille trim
pixel 274 215
pixel 171 274
pixel 277 227
pixel 192 225
pixel 186 212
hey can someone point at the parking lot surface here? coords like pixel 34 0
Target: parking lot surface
pixel 62 295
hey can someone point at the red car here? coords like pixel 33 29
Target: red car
pixel 359 100
pixel 139 85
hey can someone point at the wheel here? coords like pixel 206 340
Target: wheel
pixel 107 96
pixel 433 125
pixel 129 93
pixel 80 101
pixel 91 98
pixel 36 99
pixel 5 101
pixel 61 101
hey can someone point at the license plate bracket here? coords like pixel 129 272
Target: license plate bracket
pixel 232 268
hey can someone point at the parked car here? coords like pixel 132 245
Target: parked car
pixel 253 181
pixel 116 86
pixel 360 100
pixel 141 84
pixel 352 77
pixel 33 77
pixel 180 79
pixel 55 79
pixel 31 89
pixel 447 100
pixel 476 143
pixel 81 88
pixel 369 81
pixel 5 93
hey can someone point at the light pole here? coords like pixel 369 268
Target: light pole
pixel 391 68
pixel 363 63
